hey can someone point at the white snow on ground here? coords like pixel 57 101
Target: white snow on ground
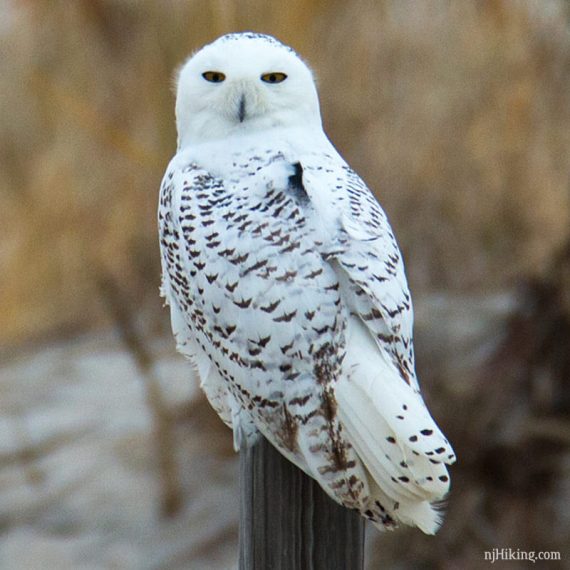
pixel 79 484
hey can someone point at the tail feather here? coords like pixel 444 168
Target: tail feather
pixel 402 452
pixel 426 516
pixel 375 443
pixel 406 413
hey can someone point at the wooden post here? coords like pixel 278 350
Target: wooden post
pixel 287 522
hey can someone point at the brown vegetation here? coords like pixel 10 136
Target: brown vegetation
pixel 456 113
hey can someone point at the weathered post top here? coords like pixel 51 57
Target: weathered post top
pixel 287 522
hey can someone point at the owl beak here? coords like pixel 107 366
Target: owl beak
pixel 241 109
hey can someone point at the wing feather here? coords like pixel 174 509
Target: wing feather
pixel 369 265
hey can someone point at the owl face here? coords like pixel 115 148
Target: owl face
pixel 243 83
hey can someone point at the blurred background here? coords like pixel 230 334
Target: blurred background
pixel 456 113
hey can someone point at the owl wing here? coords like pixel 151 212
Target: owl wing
pixel 369 264
pixel 372 262
pixel 379 399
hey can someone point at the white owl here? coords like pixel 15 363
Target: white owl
pixel 287 288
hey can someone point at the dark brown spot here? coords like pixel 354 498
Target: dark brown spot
pixel 271 307
pixel 325 364
pixel 285 317
pixel 256 266
pixel 263 341
pixel 257 364
pixel 289 431
pixel 299 401
pixel 287 276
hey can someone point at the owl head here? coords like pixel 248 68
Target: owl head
pixel 242 83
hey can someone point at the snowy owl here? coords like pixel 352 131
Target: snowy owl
pixel 287 289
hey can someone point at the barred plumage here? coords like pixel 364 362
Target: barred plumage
pixel 287 287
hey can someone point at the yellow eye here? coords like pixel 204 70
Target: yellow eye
pixel 213 76
pixel 274 77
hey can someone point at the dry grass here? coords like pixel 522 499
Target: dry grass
pixel 456 113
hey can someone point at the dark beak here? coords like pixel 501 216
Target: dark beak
pixel 241 110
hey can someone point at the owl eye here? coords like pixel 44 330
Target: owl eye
pixel 213 76
pixel 274 77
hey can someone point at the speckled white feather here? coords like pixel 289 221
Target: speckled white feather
pixel 287 287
